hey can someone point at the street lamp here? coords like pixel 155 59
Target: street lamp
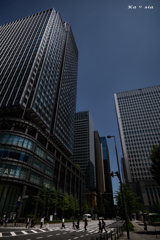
pixel 123 198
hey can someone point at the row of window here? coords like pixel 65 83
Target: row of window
pixel 21 173
pixel 24 157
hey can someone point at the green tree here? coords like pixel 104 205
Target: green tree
pixel 155 208
pixel 101 209
pixel 71 204
pixel 76 204
pixel 85 207
pixel 96 211
pixel 66 203
pixel 130 198
pixel 155 167
pixel 52 198
pixel 140 207
pixel 41 200
pixel 90 209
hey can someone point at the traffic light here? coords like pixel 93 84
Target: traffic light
pixel 118 175
pixel 112 174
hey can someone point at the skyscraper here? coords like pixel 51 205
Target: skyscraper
pixel 38 85
pixel 99 165
pixel 84 150
pixel 107 170
pixel 138 121
pixel 39 74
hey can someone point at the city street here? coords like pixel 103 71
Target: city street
pixel 55 231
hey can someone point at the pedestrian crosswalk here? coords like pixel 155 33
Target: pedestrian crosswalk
pixel 39 230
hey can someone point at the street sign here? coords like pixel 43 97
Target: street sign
pixel 25 196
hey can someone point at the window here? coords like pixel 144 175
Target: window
pixel 40 152
pixel 35 178
pixel 49 171
pixel 47 183
pixel 38 164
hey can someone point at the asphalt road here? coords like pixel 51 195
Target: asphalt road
pixel 56 232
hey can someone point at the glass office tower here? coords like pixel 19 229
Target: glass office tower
pixel 138 120
pixel 84 150
pixel 38 85
pixel 39 74
pixel 107 170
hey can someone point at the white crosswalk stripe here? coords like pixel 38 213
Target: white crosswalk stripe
pixel 34 231
pixel 13 233
pixel 24 232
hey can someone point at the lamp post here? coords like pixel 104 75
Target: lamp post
pixel 123 198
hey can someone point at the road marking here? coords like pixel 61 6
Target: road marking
pixel 64 233
pixel 42 230
pixel 75 237
pixel 39 237
pixel 58 234
pixel 24 232
pixel 82 236
pixel 0 234
pixel 87 234
pixel 13 234
pixel 49 236
pixel 34 231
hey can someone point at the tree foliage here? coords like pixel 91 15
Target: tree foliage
pixel 52 198
pixel 85 207
pixel 96 210
pixel 155 158
pixel 76 204
pixel 41 200
pixel 71 204
pixel 101 209
pixel 90 209
pixel 130 198
pixel 155 208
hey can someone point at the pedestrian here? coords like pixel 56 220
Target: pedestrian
pixel 32 223
pixel 63 226
pixel 6 221
pixel 73 224
pixel 100 228
pixel 47 224
pixel 85 224
pixel 42 221
pixel 78 223
pixel 103 226
pixel 27 222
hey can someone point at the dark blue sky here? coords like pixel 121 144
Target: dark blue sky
pixel 119 50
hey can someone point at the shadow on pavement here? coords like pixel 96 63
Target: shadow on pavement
pixel 149 233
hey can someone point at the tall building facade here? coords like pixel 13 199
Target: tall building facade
pixel 84 150
pixel 138 121
pixel 39 74
pixel 107 170
pixel 39 61
pixel 99 165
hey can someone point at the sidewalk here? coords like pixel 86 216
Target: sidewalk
pixel 141 234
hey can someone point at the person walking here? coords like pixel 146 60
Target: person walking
pixel 32 223
pixel 73 223
pixel 100 226
pixel 42 222
pixel 27 222
pixel 78 223
pixel 103 226
pixel 63 226
pixel 85 224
